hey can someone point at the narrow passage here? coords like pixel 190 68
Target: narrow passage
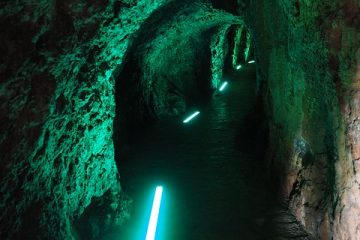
pixel 213 187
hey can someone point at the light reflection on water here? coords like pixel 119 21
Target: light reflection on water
pixel 209 182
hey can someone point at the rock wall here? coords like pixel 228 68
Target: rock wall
pixel 57 110
pixel 219 50
pixel 308 60
pixel 59 65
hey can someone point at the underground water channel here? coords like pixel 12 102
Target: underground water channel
pixel 208 181
pixel 213 184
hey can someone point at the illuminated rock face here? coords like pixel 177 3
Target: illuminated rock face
pixel 57 110
pixel 308 55
pixel 170 66
pixel 59 64
pixel 169 63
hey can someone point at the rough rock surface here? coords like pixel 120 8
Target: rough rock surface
pixel 219 51
pixel 58 68
pixel 170 57
pixel 308 57
pixel 57 109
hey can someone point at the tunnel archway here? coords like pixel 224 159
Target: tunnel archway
pixel 208 64
pixel 167 69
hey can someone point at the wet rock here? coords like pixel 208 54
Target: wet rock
pixel 308 63
pixel 57 113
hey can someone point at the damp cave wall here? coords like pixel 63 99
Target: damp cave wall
pixel 170 67
pixel 308 64
pixel 60 64
pixel 57 112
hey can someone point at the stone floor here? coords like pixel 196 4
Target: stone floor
pixel 213 187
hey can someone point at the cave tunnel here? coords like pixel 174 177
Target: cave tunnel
pixel 245 112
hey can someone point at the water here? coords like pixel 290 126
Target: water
pixel 213 187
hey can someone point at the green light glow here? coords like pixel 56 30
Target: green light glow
pixel 252 61
pixel 237 41
pixel 238 67
pixel 150 235
pixel 248 46
pixel 191 117
pixel 223 86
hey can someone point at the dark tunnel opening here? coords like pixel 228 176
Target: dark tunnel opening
pixel 137 118
pixel 142 130
pixel 253 127
pixel 134 114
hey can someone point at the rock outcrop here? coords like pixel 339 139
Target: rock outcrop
pixel 308 57
pixel 57 112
